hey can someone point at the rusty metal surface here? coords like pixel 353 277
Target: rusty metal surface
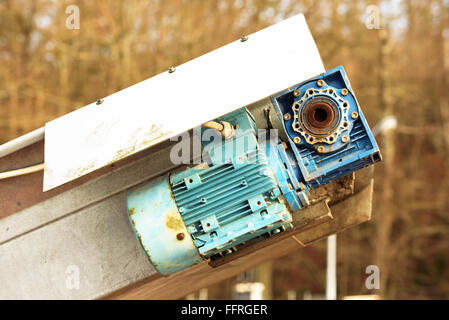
pixel 168 104
pixel 335 191
pixel 347 213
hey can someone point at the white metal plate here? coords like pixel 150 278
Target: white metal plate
pixel 168 104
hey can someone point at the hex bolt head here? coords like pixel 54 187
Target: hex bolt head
pixel 297 140
pixel 321 83
pixel 243 38
pixel 320 149
pixel 99 101
pixel 171 69
pixel 344 92
pixel 180 236
pixel 296 93
pixel 287 116
pixel 354 115
pixel 345 139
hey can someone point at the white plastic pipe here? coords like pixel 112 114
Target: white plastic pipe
pixel 22 142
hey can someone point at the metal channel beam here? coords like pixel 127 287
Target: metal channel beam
pixel 86 227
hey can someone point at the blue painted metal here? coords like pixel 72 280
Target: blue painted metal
pixel 339 158
pixel 236 198
pixel 249 186
pixel 157 224
pixel 286 180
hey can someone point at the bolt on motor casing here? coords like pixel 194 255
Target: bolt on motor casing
pixel 328 133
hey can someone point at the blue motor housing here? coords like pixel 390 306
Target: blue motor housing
pixel 249 186
pixel 328 133
pixel 234 196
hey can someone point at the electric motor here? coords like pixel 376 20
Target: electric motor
pixel 251 184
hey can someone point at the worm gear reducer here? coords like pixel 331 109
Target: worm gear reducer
pixel 251 184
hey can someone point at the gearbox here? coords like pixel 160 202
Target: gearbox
pixel 251 185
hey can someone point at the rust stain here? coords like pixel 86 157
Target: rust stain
pixel 174 222
pixel 202 166
pixel 171 194
pixel 153 134
pixel 180 236
pixel 141 244
pixel 81 171
pixel 154 263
